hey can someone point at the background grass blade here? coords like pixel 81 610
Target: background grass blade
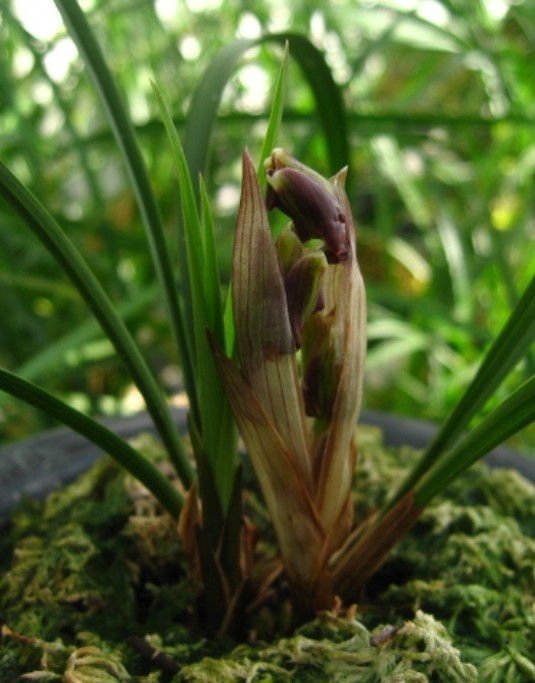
pixel 205 102
pixel 122 128
pixel 510 417
pixel 511 345
pixel 71 262
pixel 57 352
pixel 143 470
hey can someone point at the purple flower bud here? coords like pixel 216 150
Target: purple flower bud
pixel 310 201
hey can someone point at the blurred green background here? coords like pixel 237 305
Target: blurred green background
pixel 440 99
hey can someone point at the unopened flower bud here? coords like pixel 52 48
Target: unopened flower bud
pixel 302 270
pixel 321 366
pixel 310 201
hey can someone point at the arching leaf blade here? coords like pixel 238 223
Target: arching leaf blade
pixel 127 456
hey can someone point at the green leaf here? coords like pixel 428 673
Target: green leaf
pixel 327 94
pixel 275 117
pixel 212 415
pixel 510 346
pixel 71 262
pixel 511 416
pixel 210 273
pixel 129 458
pixel 106 87
pixel 207 97
pixel 187 342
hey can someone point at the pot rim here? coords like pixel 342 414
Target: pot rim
pixel 39 464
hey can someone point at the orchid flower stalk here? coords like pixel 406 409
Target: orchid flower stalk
pixel 300 320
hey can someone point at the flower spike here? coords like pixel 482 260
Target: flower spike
pixel 297 415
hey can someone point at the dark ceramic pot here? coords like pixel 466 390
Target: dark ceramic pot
pixel 37 465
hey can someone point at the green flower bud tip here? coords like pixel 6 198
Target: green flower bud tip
pixel 310 201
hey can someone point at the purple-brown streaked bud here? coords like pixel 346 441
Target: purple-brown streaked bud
pixel 310 201
pixel 303 290
pixel 302 270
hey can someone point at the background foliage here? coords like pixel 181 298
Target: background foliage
pixel 440 100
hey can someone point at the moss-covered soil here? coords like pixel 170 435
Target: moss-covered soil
pixel 95 589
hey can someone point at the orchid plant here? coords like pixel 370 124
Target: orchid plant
pixel 297 415
pixel 283 360
pixel 300 318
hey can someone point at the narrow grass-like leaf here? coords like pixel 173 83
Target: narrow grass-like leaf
pixel 275 117
pixel 512 343
pixel 199 238
pixel 127 456
pixel 210 273
pixel 213 415
pixel 510 417
pixel 197 133
pixel 225 450
pixel 205 102
pixel 62 249
pixel 191 285
pixel 193 239
pixel 228 322
pixel 327 95
pixel 122 128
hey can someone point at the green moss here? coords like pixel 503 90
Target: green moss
pixel 475 571
pixel 97 569
pixel 420 651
